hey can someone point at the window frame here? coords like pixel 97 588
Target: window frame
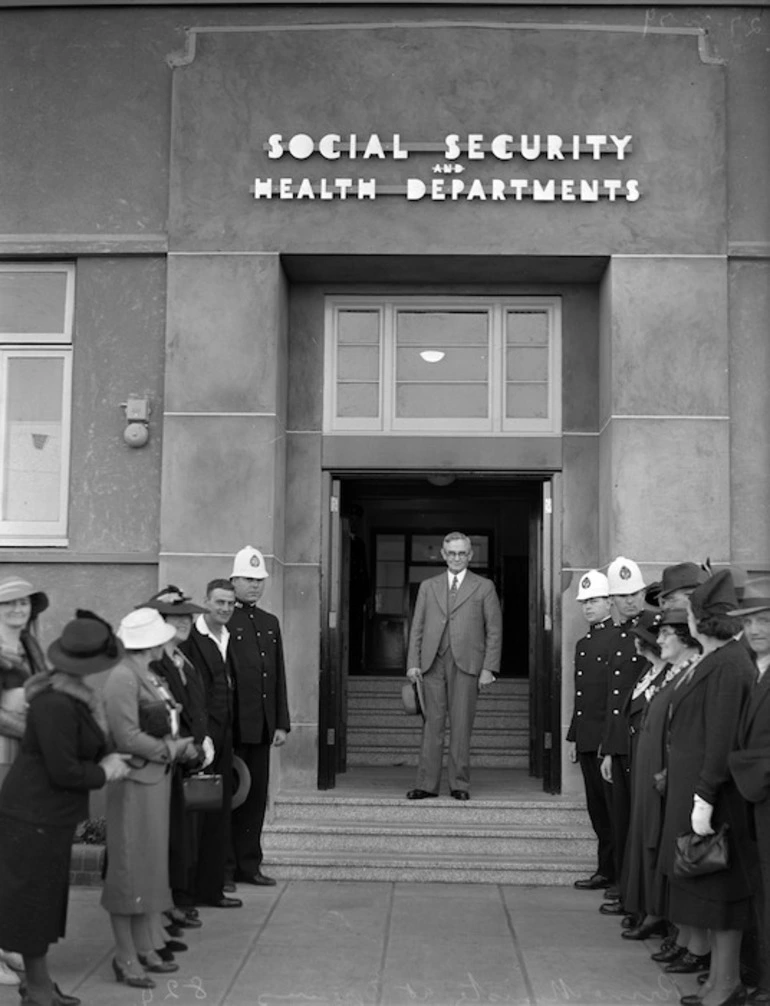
pixel 386 423
pixel 40 345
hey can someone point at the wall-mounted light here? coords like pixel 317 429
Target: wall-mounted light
pixel 432 355
pixel 137 431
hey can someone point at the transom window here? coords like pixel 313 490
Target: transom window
pixel 36 312
pixel 470 365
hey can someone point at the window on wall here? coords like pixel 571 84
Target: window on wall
pixel 36 312
pixel 414 365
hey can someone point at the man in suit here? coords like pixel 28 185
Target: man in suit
pixel 750 765
pixel 263 707
pixel 454 645
pixel 207 648
pixel 592 658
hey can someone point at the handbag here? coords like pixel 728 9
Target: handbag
pixel 154 719
pixel 699 855
pixel 203 791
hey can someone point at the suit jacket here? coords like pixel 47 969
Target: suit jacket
pixel 750 764
pixel 592 656
pixel 217 677
pixel 475 624
pixel 257 649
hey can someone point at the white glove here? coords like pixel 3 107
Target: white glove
pixel 208 751
pixel 700 819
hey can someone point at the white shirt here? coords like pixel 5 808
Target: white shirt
pixel 460 577
pixel 222 640
pixel 762 664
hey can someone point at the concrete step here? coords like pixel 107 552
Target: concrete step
pixel 497 719
pixel 425 868
pixel 385 755
pixel 405 737
pixel 367 702
pixel 392 685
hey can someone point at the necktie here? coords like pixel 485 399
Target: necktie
pixel 453 588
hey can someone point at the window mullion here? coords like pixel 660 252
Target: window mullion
pixel 3 427
pixel 388 368
pixel 496 368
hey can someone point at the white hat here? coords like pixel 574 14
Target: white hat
pixel 624 576
pixel 144 628
pixel 593 584
pixel 250 562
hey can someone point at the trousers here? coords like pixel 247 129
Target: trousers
pixel 447 689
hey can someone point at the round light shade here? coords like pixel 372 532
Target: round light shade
pixel 432 355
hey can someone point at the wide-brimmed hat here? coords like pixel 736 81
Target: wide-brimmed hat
pixel 12 588
pixel 624 576
pixel 592 584
pixel 684 576
pixel 86 645
pixel 250 563
pixel 171 601
pixel 714 597
pixel 144 628
pixel 756 598
pixel 674 616
pixel 647 626
pixel 413 698
pixel 241 782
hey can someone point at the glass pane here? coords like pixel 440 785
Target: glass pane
pixel 358 328
pixel 390 546
pixel 527 364
pixel 526 401
pixel 358 401
pixel 419 573
pixel 389 601
pixel 427 548
pixel 456 365
pixel 33 446
pixel 529 327
pixel 390 574
pixel 442 329
pixel 358 363
pixel 442 401
pixel 480 543
pixel 33 302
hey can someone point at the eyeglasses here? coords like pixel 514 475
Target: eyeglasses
pixel 457 555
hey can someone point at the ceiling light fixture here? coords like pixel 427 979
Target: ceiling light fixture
pixel 432 355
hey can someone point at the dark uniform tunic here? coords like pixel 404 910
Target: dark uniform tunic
pixel 625 666
pixel 592 654
pixel 263 708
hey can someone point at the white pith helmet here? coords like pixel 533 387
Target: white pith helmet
pixel 250 562
pixel 593 584
pixel 624 576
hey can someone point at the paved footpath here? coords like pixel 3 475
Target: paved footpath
pixel 328 943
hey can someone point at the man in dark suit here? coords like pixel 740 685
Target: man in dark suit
pixel 207 648
pixel 454 646
pixel 592 658
pixel 750 765
pixel 263 707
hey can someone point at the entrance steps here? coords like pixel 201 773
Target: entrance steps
pixel 379 732
pixel 529 838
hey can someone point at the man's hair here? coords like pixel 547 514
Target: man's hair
pixel 454 536
pixel 218 584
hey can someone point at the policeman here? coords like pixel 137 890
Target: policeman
pixel 592 656
pixel 263 708
pixel 627 589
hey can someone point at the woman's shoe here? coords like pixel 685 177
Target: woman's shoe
pixel 667 956
pixel 702 979
pixel 161 968
pixel 691 1000
pixel 12 959
pixel 173 929
pixel 123 974
pixel 737 997
pixel 7 976
pixel 58 998
pixel 689 964
pixel 165 954
pixel 645 932
pixel 176 946
pixel 629 922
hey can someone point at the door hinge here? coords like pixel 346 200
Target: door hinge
pixel 548 503
pixel 332 619
pixel 334 504
pixel 330 735
pixel 548 740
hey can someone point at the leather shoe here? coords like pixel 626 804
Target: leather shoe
pixel 419 794
pixel 176 946
pixel 612 908
pixel 173 929
pixel 224 902
pixel 759 995
pixel 258 878
pixel 737 997
pixel 691 1000
pixel 689 964
pixel 630 922
pixel 460 794
pixel 669 955
pixel 228 887
pixel 645 932
pixel 612 893
pixel 592 883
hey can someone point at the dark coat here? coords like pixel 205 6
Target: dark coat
pixel 189 693
pixel 257 651
pixel 592 654
pixel 703 726
pixel 56 769
pixel 624 669
pixel 217 678
pixel 750 764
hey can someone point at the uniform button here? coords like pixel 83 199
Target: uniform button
pixel 582 653
pixel 623 635
pixel 633 659
pixel 616 691
pixel 580 674
pixel 615 712
pixel 619 653
pixel 599 659
pixel 617 674
pixel 579 713
pixel 578 693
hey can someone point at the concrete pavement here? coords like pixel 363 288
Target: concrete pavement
pixel 306 943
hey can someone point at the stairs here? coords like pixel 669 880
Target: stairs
pixel 380 733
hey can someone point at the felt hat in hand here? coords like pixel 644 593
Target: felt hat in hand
pixel 413 698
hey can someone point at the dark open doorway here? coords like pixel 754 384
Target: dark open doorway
pixel 383 538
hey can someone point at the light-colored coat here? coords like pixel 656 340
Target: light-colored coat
pixel 475 624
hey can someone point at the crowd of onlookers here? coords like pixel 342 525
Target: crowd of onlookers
pixel 671 728
pixel 186 687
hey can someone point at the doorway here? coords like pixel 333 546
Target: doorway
pixel 383 538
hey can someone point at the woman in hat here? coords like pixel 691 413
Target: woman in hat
pixel 184 683
pixel 62 758
pixel 706 706
pixel 144 721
